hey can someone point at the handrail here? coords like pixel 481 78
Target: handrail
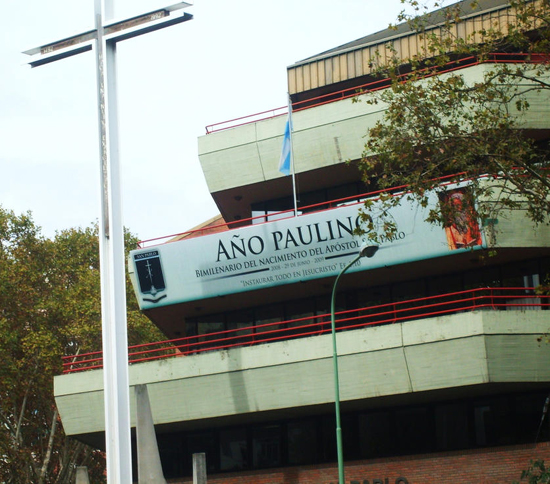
pixel 497 298
pixel 289 213
pixel 376 85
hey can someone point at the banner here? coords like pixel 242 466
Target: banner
pixel 311 246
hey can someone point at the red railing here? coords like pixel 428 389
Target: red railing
pixel 260 219
pixel 376 85
pixel 302 210
pixel 501 298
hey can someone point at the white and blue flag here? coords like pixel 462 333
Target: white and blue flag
pixel 286 153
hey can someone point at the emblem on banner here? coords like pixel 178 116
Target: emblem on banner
pixel 150 275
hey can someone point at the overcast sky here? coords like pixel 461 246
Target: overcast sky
pixel 229 61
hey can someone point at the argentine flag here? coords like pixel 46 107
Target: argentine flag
pixel 286 154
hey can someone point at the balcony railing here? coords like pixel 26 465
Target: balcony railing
pixel 376 85
pixel 302 210
pixel 498 298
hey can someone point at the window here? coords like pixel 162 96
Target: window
pixel 312 198
pixel 408 290
pixel 522 274
pixel 444 426
pixel 451 423
pixel 529 423
pixel 302 442
pixel 170 450
pixel 486 277
pixel 271 209
pixel 266 446
pixel 379 303
pixel 328 438
pixel 268 315
pixel 375 435
pixel 302 310
pixel 265 210
pixel 242 322
pixel 233 450
pixel 413 427
pixel 445 284
pixel 207 327
pixel 345 191
pixel 202 442
pixel 493 422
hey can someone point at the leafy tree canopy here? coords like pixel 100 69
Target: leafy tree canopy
pixel 536 473
pixel 442 122
pixel 49 307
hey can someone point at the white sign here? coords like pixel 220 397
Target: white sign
pixel 286 251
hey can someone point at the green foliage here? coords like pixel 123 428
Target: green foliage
pixel 49 307
pixel 536 473
pixel 544 288
pixel 442 125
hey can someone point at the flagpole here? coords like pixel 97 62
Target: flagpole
pixel 286 163
pixel 292 159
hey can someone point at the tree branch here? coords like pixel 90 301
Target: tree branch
pixel 48 455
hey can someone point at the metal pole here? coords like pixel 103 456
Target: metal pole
pixel 113 276
pixel 111 232
pixel 292 166
pixel 364 252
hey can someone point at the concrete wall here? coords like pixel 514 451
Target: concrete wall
pixel 515 229
pixel 323 136
pixel 442 352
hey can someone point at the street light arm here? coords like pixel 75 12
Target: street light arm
pixel 364 251
pixel 339 448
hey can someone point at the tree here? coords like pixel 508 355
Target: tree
pixel 439 125
pixel 536 473
pixel 49 306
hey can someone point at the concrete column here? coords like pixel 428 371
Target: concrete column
pixel 82 475
pixel 199 468
pixel 149 467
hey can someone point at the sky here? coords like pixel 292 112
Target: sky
pixel 229 61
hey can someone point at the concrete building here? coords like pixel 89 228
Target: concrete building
pixel 443 374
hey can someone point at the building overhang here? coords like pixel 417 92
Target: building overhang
pixel 241 163
pixel 486 350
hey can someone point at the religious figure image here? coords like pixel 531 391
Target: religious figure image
pixel 462 229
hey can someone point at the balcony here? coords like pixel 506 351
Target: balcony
pixel 448 343
pixel 240 157
pixel 501 298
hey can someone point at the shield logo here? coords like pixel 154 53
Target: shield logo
pixel 150 276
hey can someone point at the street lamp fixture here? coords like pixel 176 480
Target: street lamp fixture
pixel 365 251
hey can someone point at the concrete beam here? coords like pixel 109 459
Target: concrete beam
pixel 149 466
pixel 439 353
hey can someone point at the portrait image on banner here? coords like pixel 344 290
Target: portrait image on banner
pixel 462 227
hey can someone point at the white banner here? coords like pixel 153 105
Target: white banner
pixel 286 251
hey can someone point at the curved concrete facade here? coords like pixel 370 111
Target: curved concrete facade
pixel 460 350
pixel 323 136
